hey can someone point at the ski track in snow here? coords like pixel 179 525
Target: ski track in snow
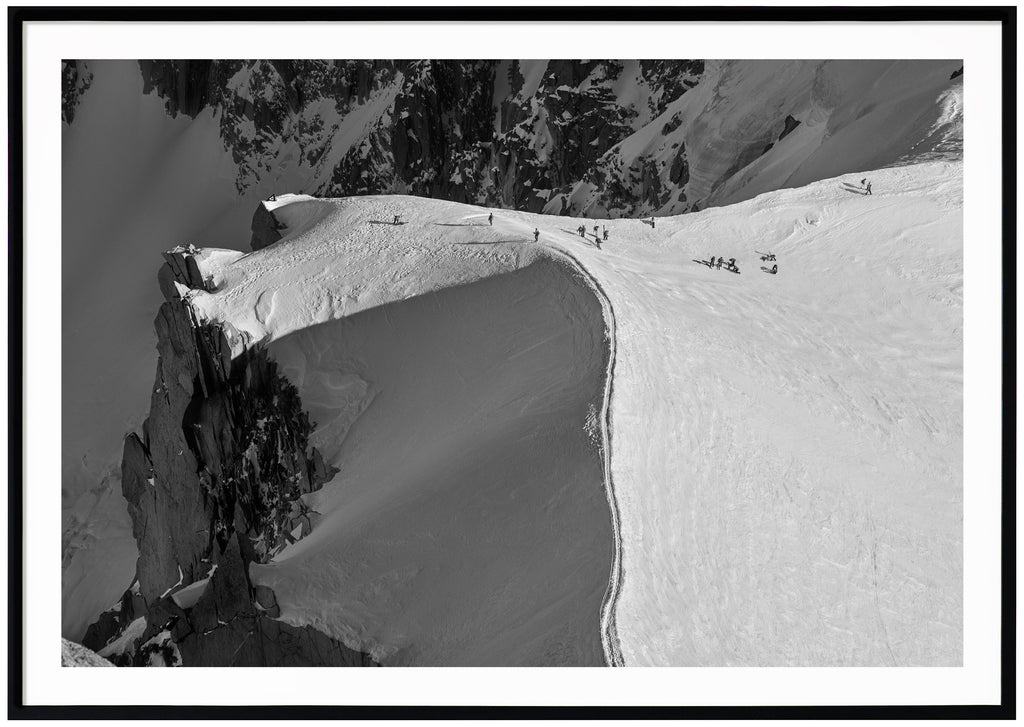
pixel 786 451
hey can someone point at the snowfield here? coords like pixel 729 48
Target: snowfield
pixel 136 181
pixel 781 454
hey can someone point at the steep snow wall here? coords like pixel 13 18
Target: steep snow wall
pixel 468 523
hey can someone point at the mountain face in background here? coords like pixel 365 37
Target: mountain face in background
pixel 600 138
pixel 161 153
pixel 499 133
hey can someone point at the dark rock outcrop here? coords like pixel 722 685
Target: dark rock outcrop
pixel 213 483
pixel 265 228
pixel 789 124
pixel 445 134
pixel 112 622
pixel 75 81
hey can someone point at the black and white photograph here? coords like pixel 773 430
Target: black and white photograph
pixel 512 362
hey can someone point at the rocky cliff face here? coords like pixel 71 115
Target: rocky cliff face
pixel 592 138
pixel 213 483
pixel 516 134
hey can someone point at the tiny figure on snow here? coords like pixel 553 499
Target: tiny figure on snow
pixel 652 223
pixel 732 263
pixel 604 231
pixel 718 265
pixel 536 234
pixel 490 219
pixel 582 230
pixel 868 187
pixel 397 218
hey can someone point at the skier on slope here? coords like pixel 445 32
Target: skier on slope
pixel 536 234
pixel 490 219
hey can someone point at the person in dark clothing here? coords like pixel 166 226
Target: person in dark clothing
pixel 718 265
pixel 604 230
pixel 868 187
pixel 536 234
pixel 490 219
pixel 732 262
pixel 397 218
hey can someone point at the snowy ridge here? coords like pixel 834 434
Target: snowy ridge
pixel 776 438
pixel 659 137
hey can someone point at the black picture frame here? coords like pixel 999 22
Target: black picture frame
pixel 1006 16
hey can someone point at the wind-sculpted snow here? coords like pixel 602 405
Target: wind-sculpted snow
pixel 785 450
pixel 468 524
pixel 136 182
pixel 457 379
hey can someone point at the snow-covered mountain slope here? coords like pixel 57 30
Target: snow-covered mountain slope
pixel 754 126
pixel 592 138
pixel 164 153
pixel 468 523
pixel 785 450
